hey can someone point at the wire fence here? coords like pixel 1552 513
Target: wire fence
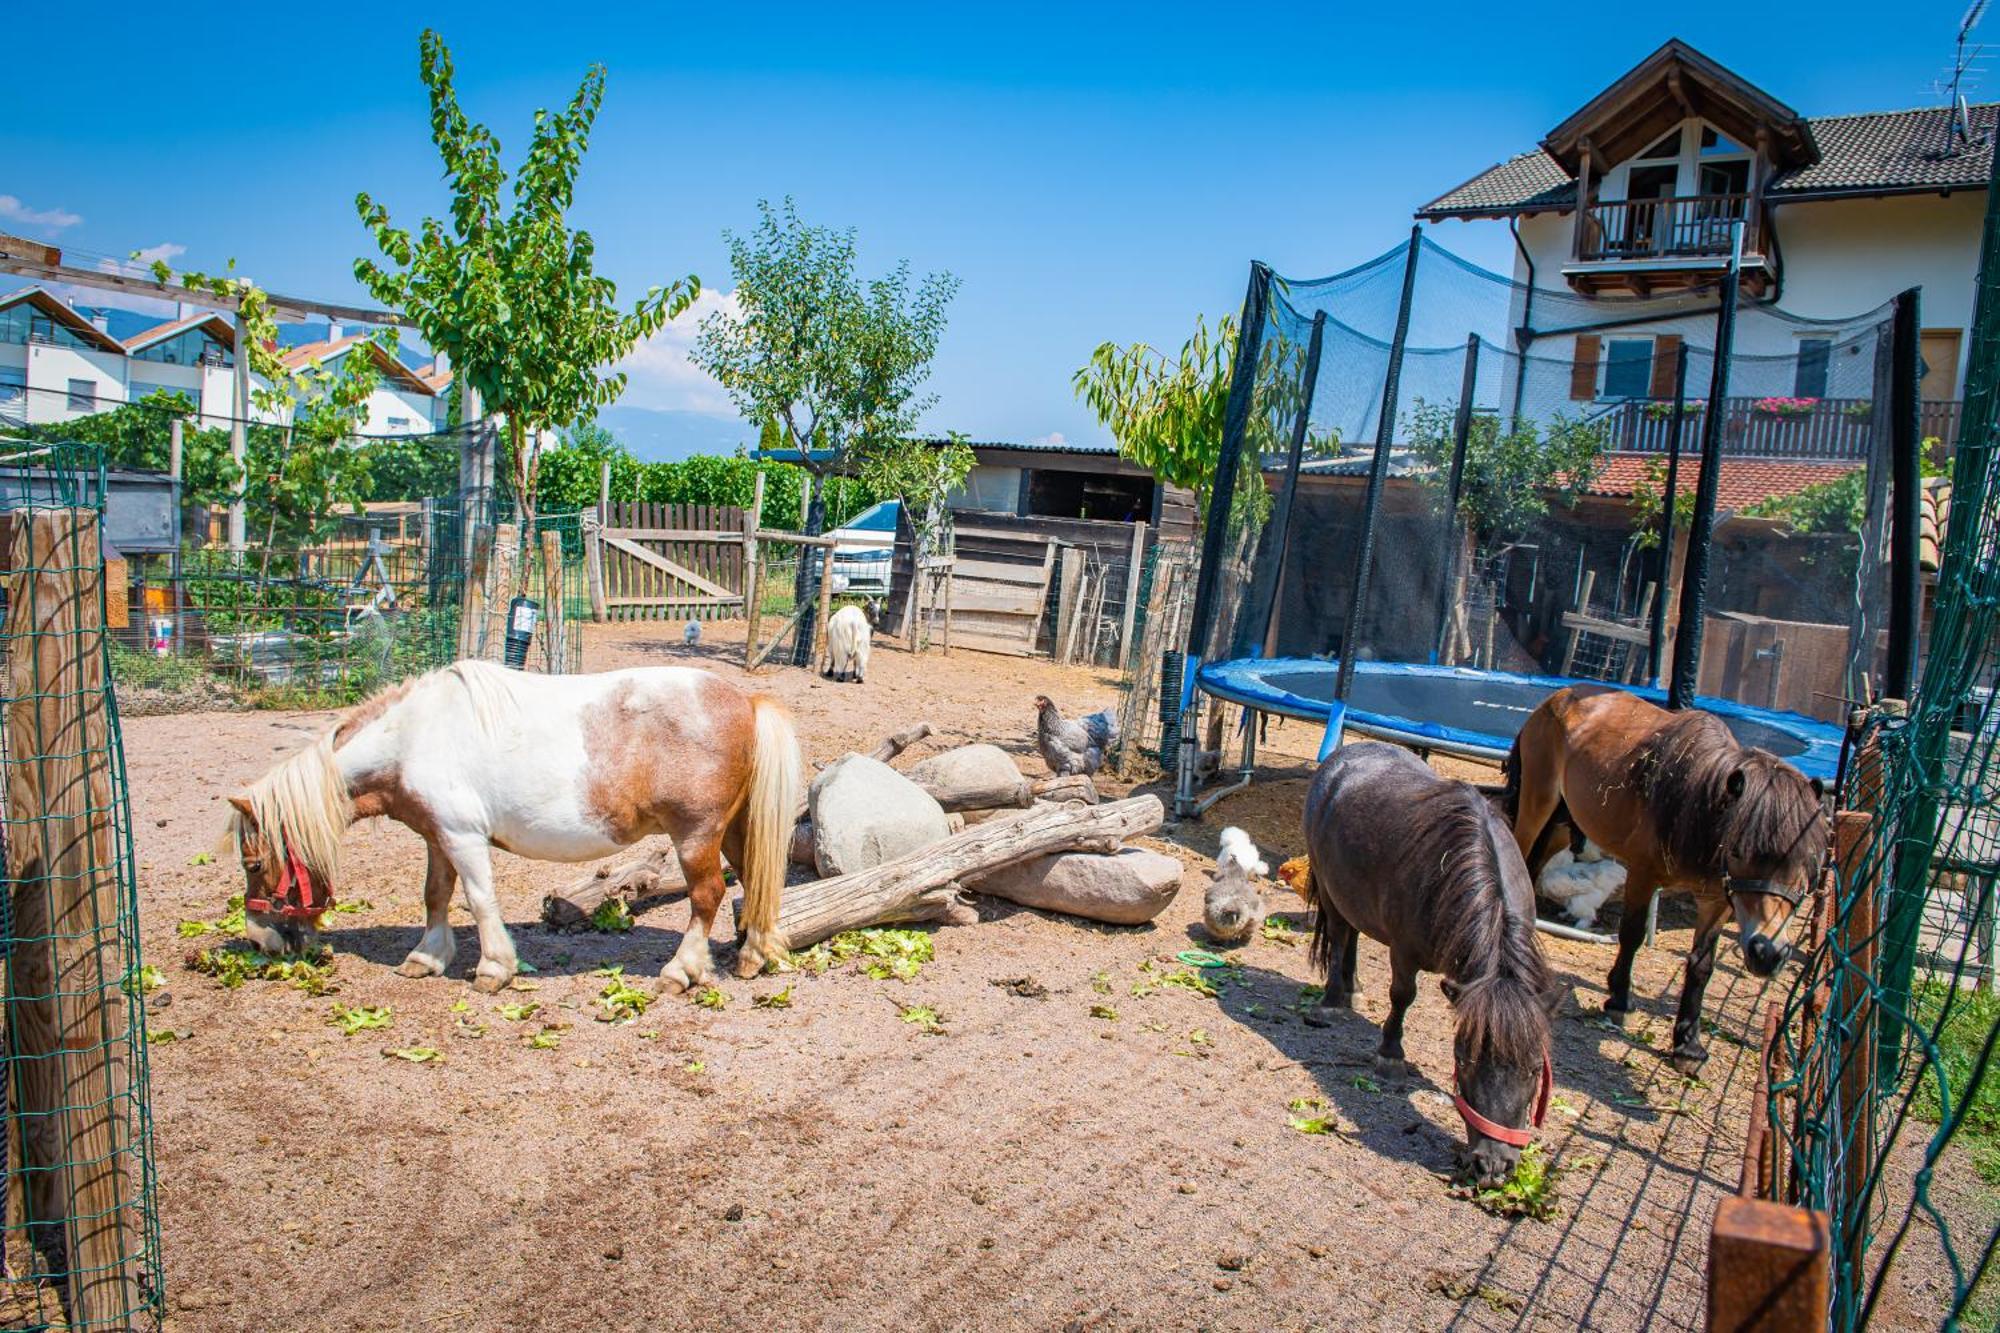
pixel 79 1227
pixel 1888 1117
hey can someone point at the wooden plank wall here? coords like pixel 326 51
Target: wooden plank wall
pixel 718 562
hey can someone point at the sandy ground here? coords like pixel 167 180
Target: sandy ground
pixel 829 1165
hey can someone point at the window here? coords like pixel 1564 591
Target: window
pixel 1714 142
pixel 1628 368
pixel 1667 148
pixel 399 423
pixel 13 395
pixel 83 395
pixel 1809 381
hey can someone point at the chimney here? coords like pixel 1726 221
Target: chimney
pixel 332 331
pixel 100 319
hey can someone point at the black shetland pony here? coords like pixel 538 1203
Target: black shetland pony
pixel 1424 865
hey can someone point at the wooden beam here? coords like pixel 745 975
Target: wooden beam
pixel 283 307
pixel 660 562
pixel 69 1025
pixel 673 535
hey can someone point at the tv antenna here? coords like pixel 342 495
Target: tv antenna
pixel 1965 56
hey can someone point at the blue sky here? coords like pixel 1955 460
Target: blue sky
pixel 1090 172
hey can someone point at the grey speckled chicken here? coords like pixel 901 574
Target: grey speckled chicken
pixel 1070 747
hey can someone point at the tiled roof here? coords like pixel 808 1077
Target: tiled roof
pixel 1882 152
pixel 220 328
pixel 1744 481
pixel 327 350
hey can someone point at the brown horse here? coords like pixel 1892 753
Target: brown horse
pixel 553 768
pixel 1683 805
pixel 1426 866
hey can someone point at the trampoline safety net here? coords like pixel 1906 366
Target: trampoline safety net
pixel 1430 463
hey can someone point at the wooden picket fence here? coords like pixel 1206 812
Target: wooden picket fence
pixel 670 561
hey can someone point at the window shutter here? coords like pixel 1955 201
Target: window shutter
pixel 1666 350
pixel 1583 371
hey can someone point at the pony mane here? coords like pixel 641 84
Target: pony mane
pixel 1683 770
pixel 1487 948
pixel 302 803
pixel 490 689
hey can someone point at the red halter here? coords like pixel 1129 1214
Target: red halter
pixel 295 895
pixel 1514 1138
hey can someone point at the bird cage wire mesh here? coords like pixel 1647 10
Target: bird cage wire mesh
pixel 1886 1098
pixel 80 1230
pixel 1505 511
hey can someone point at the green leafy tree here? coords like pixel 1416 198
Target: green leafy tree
pixel 301 473
pixel 1512 472
pixel 923 476
pixel 1648 505
pixel 511 294
pixel 1167 414
pixel 140 435
pixel 830 365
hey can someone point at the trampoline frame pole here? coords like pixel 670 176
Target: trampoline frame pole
pixel 1906 501
pixel 1461 437
pixel 1222 490
pixel 1269 583
pixel 1694 581
pixel 1378 470
pixel 1656 631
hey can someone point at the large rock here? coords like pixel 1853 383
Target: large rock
pixel 864 812
pixel 973 777
pixel 1126 889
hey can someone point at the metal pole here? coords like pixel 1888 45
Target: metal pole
pixel 1656 632
pixel 1236 423
pixel 1461 438
pixel 1378 471
pixel 1270 581
pixel 1694 585
pixel 1906 501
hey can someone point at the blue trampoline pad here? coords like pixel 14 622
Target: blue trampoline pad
pixel 1463 710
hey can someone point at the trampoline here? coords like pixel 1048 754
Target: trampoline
pixel 1474 712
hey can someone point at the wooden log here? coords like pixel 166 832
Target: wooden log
pixel 892 746
pixel 69 1025
pixel 924 885
pixel 656 874
pixel 1075 787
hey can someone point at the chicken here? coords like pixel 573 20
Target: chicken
pixel 1068 747
pixel 692 634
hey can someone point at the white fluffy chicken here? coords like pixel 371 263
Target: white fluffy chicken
pixel 1072 747
pixel 1581 882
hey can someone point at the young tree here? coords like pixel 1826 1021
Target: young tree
pixel 922 475
pixel 511 294
pixel 828 362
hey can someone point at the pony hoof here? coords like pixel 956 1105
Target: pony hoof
pixel 1394 1069
pixel 674 978
pixel 1617 1004
pixel 486 983
pixel 414 966
pixel 1321 1015
pixel 748 965
pixel 1689 1059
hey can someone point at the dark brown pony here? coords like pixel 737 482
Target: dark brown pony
pixel 1683 805
pixel 1426 866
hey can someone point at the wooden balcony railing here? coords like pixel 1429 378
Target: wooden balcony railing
pixel 1678 227
pixel 1840 429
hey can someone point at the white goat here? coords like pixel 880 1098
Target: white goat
pixel 847 641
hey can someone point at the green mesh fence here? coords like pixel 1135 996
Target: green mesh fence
pixel 1889 1115
pixel 79 1234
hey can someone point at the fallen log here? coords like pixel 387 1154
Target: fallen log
pixel 894 745
pixel 655 874
pixel 924 885
pixel 1075 787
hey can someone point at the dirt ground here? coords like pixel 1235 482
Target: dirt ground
pixel 829 1165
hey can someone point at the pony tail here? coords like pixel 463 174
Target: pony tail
pixel 777 781
pixel 1324 912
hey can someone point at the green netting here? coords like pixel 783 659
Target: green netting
pixel 79 1230
pixel 1888 1113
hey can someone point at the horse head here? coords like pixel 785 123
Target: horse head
pixel 1772 854
pixel 1501 1072
pixel 1234 906
pixel 283 899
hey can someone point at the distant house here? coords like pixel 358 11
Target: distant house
pixel 405 401
pixel 1637 193
pixel 58 363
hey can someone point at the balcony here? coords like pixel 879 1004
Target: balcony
pixel 1829 430
pixel 1643 246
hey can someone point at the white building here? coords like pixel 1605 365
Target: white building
pixel 1636 194
pixel 57 364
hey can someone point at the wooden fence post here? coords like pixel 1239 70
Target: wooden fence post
pixel 472 596
pixel 1768 1268
pixel 69 1023
pixel 500 569
pixel 555 615
pixel 753 568
pixel 593 565
pixel 1134 571
pixel 825 600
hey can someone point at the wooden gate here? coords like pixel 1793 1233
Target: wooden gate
pixel 668 562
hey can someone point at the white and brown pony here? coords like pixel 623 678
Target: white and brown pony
pixel 1683 805
pixel 554 768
